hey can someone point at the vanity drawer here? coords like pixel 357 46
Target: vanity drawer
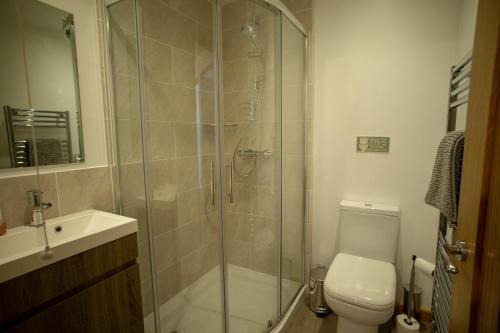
pixel 31 293
pixel 112 305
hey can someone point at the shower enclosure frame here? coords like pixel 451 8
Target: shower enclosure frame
pixel 220 186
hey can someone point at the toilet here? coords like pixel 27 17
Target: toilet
pixel 360 286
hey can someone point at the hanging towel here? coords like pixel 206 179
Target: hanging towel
pixel 444 188
pixel 50 151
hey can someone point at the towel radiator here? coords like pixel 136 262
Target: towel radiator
pixel 19 144
pixel 443 278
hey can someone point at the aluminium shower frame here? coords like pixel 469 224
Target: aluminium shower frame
pixel 219 140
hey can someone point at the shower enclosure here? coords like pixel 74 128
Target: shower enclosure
pixel 209 103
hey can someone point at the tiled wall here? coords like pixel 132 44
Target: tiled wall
pixel 68 192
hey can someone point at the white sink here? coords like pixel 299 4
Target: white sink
pixel 21 248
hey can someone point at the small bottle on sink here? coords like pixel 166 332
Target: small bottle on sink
pixel 3 226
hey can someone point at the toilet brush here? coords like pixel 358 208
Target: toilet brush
pixel 405 323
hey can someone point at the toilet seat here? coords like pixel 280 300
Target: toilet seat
pixel 362 282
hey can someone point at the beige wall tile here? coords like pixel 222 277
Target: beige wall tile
pixel 191 205
pixel 183 104
pixel 238 252
pixel 293 102
pixel 234 14
pixel 129 136
pixel 85 189
pixel 132 184
pixel 293 202
pixel 210 227
pixel 168 282
pixel 185 139
pixel 293 137
pixel 126 97
pixel 157 61
pixel 199 10
pixel 123 53
pixel 204 41
pixel 235 44
pixel 139 213
pixel 122 14
pixel 206 107
pixel 164 216
pixel 294 5
pixel 14 198
pixel 293 172
pixel 165 102
pixel 175 244
pixel 265 136
pixel 168 26
pixel 183 68
pixel 263 258
pixel 161 138
pixel 235 75
pixel 147 297
pixel 204 78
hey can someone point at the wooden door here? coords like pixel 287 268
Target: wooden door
pixel 476 288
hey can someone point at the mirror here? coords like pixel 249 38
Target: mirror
pixel 40 120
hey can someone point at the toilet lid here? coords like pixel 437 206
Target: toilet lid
pixel 360 281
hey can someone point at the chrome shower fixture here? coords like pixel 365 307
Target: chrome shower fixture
pixel 249 29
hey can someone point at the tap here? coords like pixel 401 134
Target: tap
pixel 37 208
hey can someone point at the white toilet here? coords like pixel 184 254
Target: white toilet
pixel 360 285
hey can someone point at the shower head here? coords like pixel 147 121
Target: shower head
pixel 249 30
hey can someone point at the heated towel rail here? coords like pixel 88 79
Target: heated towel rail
pixel 19 145
pixel 443 278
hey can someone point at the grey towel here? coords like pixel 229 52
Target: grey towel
pixel 49 151
pixel 444 188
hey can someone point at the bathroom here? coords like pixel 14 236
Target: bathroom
pixel 249 166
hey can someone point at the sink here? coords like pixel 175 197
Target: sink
pixel 21 247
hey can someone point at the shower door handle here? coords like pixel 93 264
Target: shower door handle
pixel 212 184
pixel 230 194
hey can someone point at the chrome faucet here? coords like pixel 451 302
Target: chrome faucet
pixel 37 208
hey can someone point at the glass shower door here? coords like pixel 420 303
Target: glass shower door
pixel 293 160
pixel 180 150
pixel 163 66
pixel 250 149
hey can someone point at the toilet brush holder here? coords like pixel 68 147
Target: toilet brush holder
pixel 406 323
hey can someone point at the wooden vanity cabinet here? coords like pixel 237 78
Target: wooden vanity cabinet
pixel 94 291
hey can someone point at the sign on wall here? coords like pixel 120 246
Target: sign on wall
pixel 373 144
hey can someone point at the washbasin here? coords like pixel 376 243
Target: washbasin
pixel 21 247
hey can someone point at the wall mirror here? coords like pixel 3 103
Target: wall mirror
pixel 40 118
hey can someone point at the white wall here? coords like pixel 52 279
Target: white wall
pixel 382 69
